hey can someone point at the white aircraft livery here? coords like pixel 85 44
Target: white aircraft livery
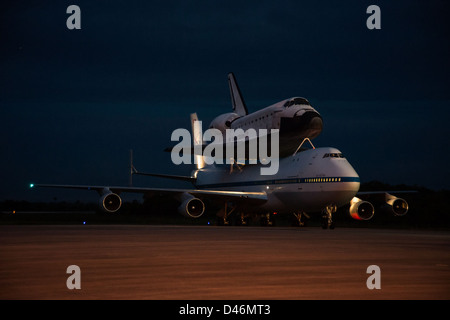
pixel 309 180
pixel 295 119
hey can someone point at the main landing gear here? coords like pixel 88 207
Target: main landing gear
pixel 224 214
pixel 300 220
pixel 327 216
pixel 228 216
pixel 267 220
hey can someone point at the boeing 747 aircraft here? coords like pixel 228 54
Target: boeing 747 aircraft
pixel 314 180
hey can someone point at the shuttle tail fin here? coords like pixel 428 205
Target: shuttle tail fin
pixel 197 140
pixel 236 96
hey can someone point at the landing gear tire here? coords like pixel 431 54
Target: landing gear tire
pixel 242 220
pixel 324 223
pixel 223 222
pixel 327 225
pixel 267 220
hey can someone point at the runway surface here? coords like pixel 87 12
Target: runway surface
pixel 191 262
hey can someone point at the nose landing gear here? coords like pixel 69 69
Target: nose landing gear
pixel 327 216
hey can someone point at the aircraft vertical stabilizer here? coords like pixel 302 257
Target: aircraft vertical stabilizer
pixel 197 140
pixel 237 100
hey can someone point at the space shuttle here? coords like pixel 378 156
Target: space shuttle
pixel 295 119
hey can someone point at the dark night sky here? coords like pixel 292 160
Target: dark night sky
pixel 73 102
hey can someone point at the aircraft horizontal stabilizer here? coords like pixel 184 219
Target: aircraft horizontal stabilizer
pixel 229 148
pixel 167 176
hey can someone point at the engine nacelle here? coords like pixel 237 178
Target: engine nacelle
pixel 110 202
pixel 361 210
pixel 397 206
pixel 192 207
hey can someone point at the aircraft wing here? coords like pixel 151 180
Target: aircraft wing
pixel 367 193
pixel 258 197
pixel 381 196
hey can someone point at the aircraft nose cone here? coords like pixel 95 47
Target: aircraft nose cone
pixel 316 123
pixel 308 124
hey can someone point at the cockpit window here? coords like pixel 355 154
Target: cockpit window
pixel 333 155
pixel 296 101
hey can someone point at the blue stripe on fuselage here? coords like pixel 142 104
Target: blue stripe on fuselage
pixel 280 181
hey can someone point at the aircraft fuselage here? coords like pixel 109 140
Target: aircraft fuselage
pixel 295 119
pixel 307 181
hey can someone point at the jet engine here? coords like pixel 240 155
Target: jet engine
pixel 110 202
pixel 192 207
pixel 397 206
pixel 360 209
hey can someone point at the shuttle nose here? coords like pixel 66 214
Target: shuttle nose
pixel 309 124
pixel 315 126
